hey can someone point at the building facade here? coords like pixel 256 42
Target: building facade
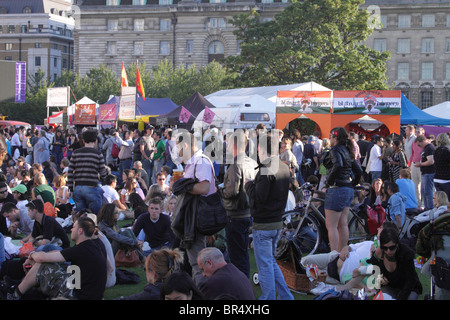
pixel 183 32
pixel 38 32
pixel 417 34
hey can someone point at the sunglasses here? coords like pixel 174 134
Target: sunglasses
pixel 390 248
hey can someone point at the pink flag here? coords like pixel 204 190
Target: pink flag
pixel 208 115
pixel 185 115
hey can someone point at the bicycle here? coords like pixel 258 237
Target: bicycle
pixel 310 230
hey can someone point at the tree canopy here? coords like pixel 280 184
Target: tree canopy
pixel 311 40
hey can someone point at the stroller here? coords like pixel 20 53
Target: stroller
pixel 440 268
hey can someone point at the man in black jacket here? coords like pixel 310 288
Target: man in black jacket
pixel 236 202
pixel 268 195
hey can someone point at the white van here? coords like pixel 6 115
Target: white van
pixel 234 112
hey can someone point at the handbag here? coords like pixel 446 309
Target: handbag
pixel 375 218
pixel 441 273
pixel 128 258
pixel 211 215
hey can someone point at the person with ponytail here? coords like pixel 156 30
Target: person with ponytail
pixel 344 174
pixel 159 265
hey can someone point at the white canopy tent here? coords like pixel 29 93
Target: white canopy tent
pixel 269 92
pixel 84 100
pixel 441 110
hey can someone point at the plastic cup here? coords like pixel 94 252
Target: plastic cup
pixel 177 174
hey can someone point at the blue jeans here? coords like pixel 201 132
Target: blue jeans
pixel 123 165
pixel 147 165
pixel 375 175
pixel 270 276
pixel 237 232
pixel 170 164
pixel 88 197
pixel 338 198
pixel 427 190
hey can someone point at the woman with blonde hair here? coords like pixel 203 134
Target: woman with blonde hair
pixel 159 265
pixel 43 190
pixel 169 205
pixel 62 195
pixel 440 202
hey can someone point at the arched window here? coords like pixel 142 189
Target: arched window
pixel 215 51
pixel 26 9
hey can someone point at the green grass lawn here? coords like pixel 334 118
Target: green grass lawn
pixel 126 290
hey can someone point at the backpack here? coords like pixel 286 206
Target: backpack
pixel 375 218
pixel 115 151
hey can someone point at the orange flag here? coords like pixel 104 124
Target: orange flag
pixel 123 77
pixel 139 85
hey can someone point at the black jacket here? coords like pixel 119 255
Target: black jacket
pixel 345 171
pixel 268 193
pixel 184 213
pixel 404 278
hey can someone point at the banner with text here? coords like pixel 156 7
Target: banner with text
pixel 58 97
pixel 127 108
pixel 21 82
pixel 84 114
pixel 383 102
pixel 107 112
pixel 304 102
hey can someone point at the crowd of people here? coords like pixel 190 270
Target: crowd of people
pixel 84 181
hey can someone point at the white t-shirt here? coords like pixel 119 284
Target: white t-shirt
pixel 358 251
pixel 203 172
pixel 375 164
pixel 110 194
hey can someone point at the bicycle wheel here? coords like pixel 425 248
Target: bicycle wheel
pixel 310 236
pixel 356 228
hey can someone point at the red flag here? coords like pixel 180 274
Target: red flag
pixel 139 85
pixel 123 77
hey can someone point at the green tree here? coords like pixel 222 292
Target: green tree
pixel 99 83
pixel 178 84
pixel 311 40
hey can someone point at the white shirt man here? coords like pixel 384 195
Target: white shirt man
pixel 110 194
pixel 375 165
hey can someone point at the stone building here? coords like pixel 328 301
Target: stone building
pixel 38 32
pixel 183 32
pixel 417 33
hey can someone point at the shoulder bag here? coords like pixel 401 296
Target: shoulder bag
pixel 211 214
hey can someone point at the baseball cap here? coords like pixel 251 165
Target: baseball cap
pixel 20 188
pixel 93 217
pixel 36 204
pixel 312 138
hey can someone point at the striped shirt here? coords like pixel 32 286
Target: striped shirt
pixel 86 164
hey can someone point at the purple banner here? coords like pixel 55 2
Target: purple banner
pixel 21 82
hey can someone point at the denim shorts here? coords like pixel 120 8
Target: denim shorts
pixel 337 198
